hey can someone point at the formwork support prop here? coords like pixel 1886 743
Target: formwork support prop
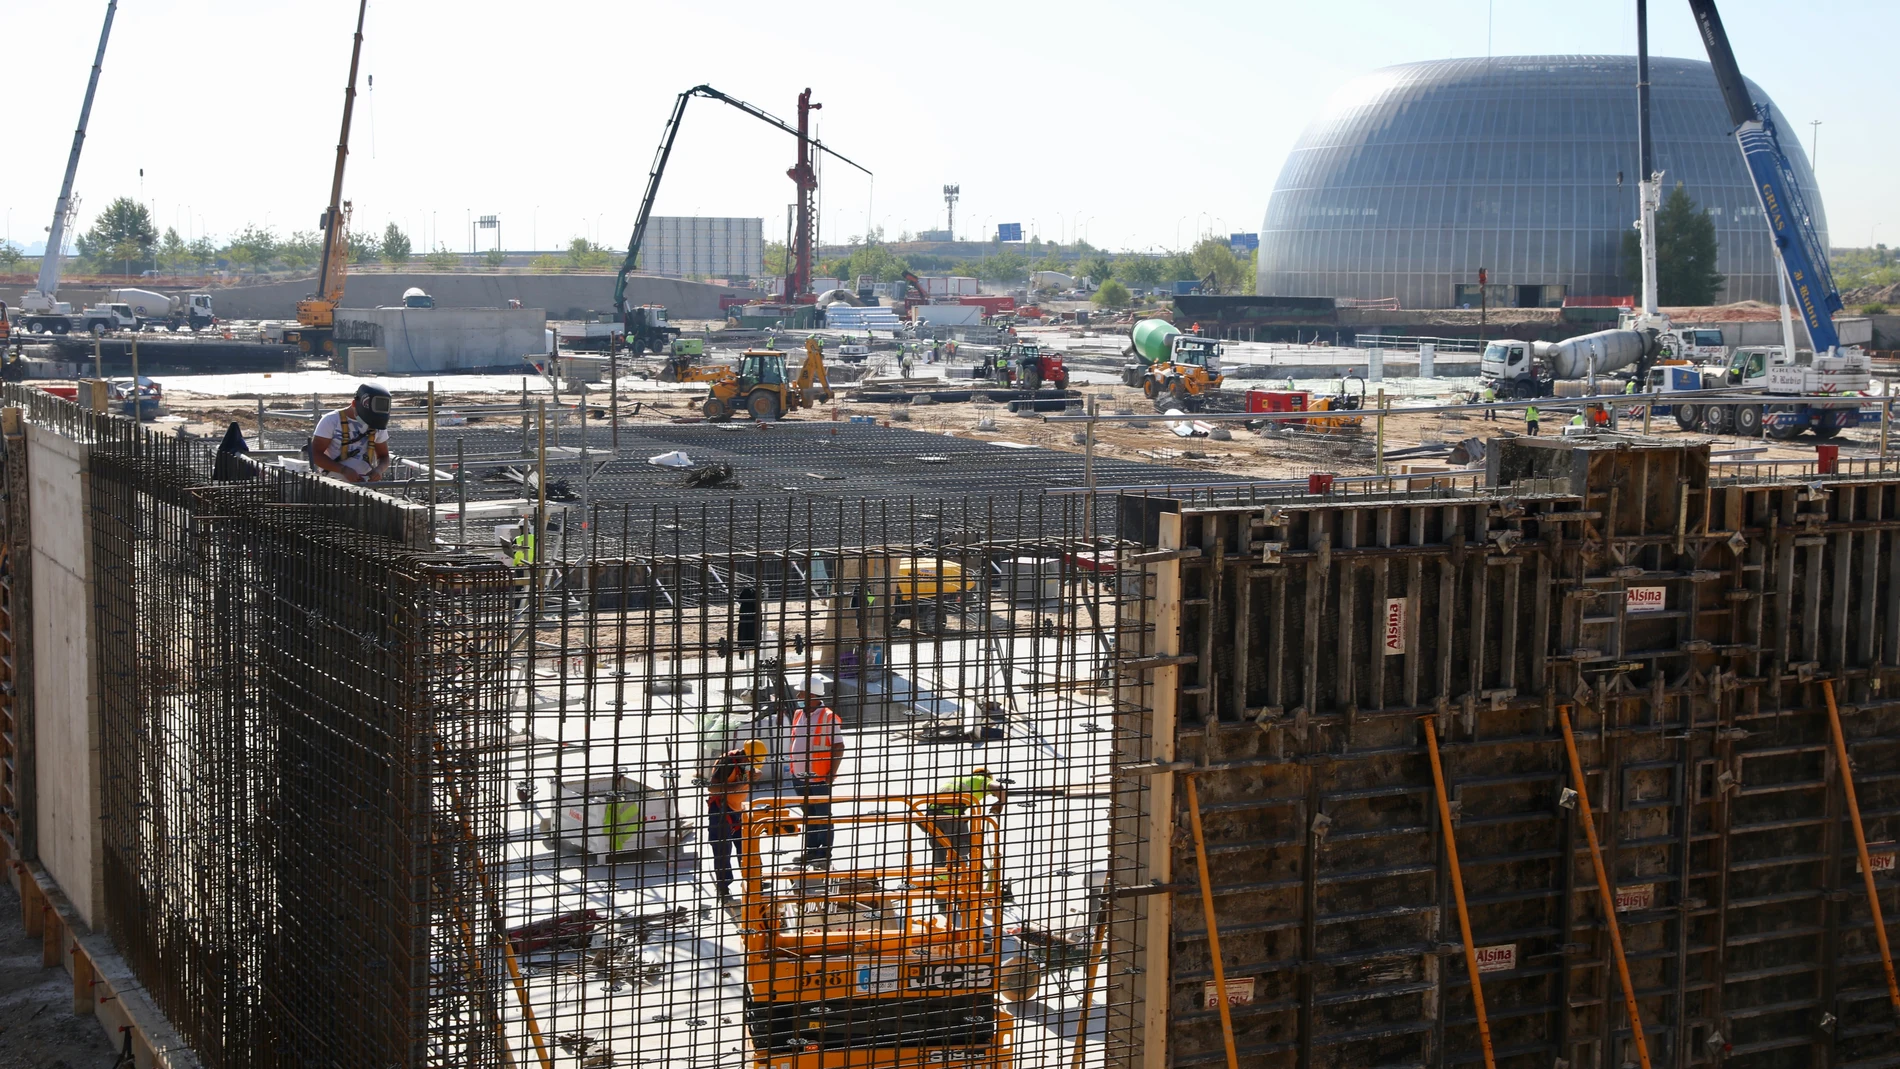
pixel 1860 841
pixel 1458 891
pixel 1213 933
pixel 1604 891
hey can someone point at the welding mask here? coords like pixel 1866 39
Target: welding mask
pixel 372 405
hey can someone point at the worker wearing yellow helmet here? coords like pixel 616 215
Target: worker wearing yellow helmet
pixel 951 837
pixel 728 789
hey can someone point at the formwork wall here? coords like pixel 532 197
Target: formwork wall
pixel 1684 624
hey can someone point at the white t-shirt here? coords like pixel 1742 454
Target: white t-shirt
pixel 351 444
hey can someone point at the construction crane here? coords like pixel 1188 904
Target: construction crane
pixel 41 299
pixel 1803 257
pixel 798 278
pixel 1833 369
pixel 316 314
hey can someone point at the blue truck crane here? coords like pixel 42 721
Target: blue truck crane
pixel 1833 367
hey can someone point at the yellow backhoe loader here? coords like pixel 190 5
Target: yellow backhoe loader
pixel 763 386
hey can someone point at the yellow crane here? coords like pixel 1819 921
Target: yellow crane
pixel 316 314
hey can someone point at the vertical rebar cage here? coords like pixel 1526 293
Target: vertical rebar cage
pixel 370 804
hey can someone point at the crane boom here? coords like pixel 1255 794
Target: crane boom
pixel 335 250
pixel 1803 259
pixel 659 169
pixel 63 208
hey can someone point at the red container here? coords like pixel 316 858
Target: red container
pixel 1829 457
pixel 1319 482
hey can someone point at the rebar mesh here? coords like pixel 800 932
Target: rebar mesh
pixel 372 804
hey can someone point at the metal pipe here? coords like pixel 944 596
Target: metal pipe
pixel 1458 890
pixel 1380 443
pixel 1213 932
pixel 1096 947
pixel 138 408
pixel 1860 842
pixel 461 497
pixel 1604 892
pixel 1416 410
pixel 432 471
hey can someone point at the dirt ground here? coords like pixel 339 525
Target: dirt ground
pixel 1246 454
pixel 38 1029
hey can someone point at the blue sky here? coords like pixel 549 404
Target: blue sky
pixel 1060 117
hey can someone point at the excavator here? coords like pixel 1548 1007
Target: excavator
pixel 315 331
pixel 760 384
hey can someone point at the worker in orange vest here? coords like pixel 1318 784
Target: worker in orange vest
pixel 728 786
pixel 817 753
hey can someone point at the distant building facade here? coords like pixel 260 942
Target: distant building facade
pixel 1416 176
pixel 711 246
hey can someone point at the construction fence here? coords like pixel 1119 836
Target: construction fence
pixel 367 801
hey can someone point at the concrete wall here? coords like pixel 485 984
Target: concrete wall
pixel 65 690
pixel 447 339
pixel 562 296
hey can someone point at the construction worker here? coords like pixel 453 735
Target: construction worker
pixel 1490 395
pixel 817 753
pixel 949 830
pixel 1530 420
pixel 908 364
pixel 728 786
pixel 1578 420
pixel 352 443
pixel 1002 366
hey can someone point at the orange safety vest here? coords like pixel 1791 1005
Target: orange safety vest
pixel 814 732
pixel 730 784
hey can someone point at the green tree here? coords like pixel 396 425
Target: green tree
pixel 441 259
pixel 775 258
pixel 121 235
pixel 396 245
pixel 172 251
pixel 1176 267
pixel 1006 266
pixel 1213 256
pixel 584 255
pixel 494 257
pixel 1095 266
pixel 1855 268
pixel 301 251
pixel 10 255
pixel 202 253
pixel 1685 254
pixel 546 264
pixel 1137 270
pixel 1112 294
pixel 253 249
pixel 364 249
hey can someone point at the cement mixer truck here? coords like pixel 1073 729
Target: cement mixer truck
pixel 156 311
pixel 1173 369
pixel 1530 369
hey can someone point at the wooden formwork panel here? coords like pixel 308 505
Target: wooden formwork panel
pixel 1687 626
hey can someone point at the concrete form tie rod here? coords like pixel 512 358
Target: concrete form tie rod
pixel 1604 891
pixel 1096 947
pixel 1458 891
pixel 1213 933
pixel 1860 842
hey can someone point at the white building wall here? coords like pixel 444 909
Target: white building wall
pixel 716 246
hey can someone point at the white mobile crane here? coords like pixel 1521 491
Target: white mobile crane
pixel 40 309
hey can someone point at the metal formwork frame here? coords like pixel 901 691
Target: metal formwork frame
pixel 1687 623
